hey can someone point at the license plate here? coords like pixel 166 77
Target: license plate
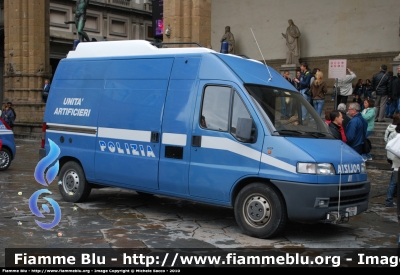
pixel 352 211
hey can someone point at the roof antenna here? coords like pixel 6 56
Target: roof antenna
pixel 270 78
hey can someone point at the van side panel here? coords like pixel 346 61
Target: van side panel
pixel 70 115
pixel 177 121
pixel 132 104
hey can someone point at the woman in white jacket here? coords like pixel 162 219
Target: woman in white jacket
pixel 393 146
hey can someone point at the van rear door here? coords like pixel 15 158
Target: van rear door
pixel 129 125
pixel 218 157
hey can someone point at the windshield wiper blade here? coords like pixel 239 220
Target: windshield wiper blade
pixel 316 134
pixel 288 132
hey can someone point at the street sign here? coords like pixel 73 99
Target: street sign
pixel 337 68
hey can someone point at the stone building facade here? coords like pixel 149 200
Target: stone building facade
pixel 366 33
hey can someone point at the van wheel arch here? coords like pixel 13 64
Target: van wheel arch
pixel 260 210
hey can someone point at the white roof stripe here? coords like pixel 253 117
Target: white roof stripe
pixel 127 48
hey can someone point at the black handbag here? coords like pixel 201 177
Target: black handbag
pixel 367 146
pixel 307 92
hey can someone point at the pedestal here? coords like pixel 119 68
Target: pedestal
pixel 291 68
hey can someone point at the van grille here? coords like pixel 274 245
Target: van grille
pixel 351 187
pixel 348 200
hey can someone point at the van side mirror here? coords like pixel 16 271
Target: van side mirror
pixel 244 128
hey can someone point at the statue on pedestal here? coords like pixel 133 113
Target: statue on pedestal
pixel 228 37
pixel 293 44
pixel 80 19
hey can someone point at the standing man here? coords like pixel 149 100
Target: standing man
pixel 9 104
pixel 381 84
pixel 395 91
pixel 293 43
pixel 80 19
pixel 356 129
pixel 346 119
pixel 228 37
pixel 336 124
pixel 345 86
pixel 297 85
pixel 286 102
pixel 46 90
pixel 304 84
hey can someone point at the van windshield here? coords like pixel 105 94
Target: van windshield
pixel 288 113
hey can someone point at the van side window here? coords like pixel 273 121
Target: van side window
pixel 239 110
pixel 215 108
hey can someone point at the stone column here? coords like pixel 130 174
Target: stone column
pixel 26 58
pixel 189 21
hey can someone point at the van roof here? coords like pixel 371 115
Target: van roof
pixel 127 48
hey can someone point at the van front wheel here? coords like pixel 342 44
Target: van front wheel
pixel 260 211
pixel 72 183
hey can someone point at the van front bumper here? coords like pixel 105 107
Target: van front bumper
pixel 312 202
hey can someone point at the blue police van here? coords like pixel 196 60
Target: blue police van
pixel 196 124
pixel 8 148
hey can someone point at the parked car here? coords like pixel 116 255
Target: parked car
pixel 8 148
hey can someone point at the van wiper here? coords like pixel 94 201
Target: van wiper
pixel 289 132
pixel 316 134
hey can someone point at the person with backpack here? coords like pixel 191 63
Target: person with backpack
pixel 381 84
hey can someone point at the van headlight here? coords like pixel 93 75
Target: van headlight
pixel 363 168
pixel 315 168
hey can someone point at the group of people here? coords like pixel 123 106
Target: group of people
pixel 384 89
pixel 312 87
pixel 353 125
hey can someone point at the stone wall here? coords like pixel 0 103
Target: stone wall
pixel 26 58
pixel 189 21
pixel 328 28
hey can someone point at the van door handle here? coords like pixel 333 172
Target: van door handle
pixel 196 141
pixel 154 137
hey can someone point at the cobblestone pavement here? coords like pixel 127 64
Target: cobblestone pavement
pixel 117 218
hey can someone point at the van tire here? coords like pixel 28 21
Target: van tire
pixel 74 187
pixel 5 159
pixel 268 202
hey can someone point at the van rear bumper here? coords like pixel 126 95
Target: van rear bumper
pixel 42 153
pixel 303 200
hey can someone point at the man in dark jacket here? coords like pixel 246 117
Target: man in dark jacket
pixel 336 118
pixel 381 84
pixel 395 92
pixel 346 119
pixel 46 90
pixel 356 129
